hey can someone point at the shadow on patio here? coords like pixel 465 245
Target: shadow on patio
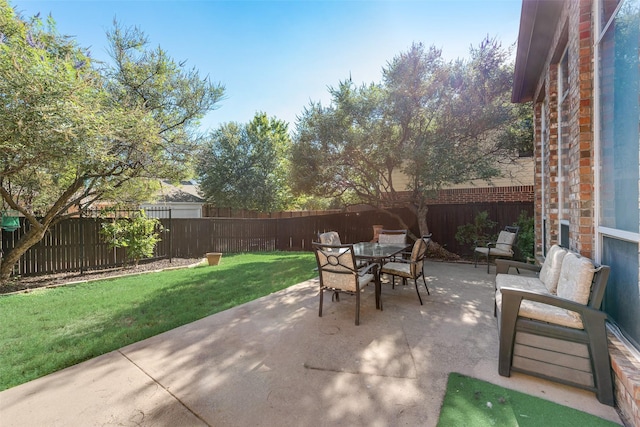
pixel 273 361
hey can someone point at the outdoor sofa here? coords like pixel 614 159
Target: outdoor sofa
pixel 551 325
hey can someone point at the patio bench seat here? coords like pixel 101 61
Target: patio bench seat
pixel 536 310
pixel 551 326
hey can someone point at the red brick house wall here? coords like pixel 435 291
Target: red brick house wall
pixel 550 28
pixel 521 193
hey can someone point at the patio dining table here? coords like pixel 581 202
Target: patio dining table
pixel 377 252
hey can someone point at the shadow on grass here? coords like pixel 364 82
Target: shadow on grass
pixel 65 326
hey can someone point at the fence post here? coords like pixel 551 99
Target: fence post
pixel 81 243
pixel 170 238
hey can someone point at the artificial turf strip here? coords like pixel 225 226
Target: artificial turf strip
pixel 472 402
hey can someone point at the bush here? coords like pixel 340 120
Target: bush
pixel 526 236
pixel 138 235
pixel 479 231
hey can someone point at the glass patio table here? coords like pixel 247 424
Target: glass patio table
pixel 377 252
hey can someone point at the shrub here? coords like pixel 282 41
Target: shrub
pixel 526 236
pixel 478 231
pixel 138 235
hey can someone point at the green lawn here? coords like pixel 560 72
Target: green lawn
pixel 50 329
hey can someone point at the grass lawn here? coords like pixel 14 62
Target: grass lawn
pixel 50 329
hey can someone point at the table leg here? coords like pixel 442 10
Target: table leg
pixel 378 290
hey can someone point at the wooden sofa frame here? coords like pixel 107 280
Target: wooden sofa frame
pixel 576 357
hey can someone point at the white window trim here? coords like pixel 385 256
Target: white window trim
pixel 595 84
pixel 618 234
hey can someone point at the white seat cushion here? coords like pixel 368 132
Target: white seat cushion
pixel 551 314
pixel 505 241
pixel 397 269
pixel 550 272
pixel 574 283
pixel 546 313
pixel 495 251
pixel 520 282
pixel 330 238
pixel 532 309
pixel 393 238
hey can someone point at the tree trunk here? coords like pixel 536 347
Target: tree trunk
pixel 397 218
pixel 435 249
pixel 32 237
pixel 423 209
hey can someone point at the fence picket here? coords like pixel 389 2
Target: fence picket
pixel 75 244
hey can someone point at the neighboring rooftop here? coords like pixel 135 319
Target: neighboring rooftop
pixel 184 192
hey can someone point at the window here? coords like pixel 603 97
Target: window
pixel 622 295
pixel 564 145
pixel 618 86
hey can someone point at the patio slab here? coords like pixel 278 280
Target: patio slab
pixel 273 361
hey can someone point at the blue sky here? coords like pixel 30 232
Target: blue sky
pixel 276 56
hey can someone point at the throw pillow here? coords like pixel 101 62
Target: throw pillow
pixel 505 241
pixel 550 272
pixel 575 279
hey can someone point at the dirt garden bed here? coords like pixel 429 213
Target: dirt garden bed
pixel 18 284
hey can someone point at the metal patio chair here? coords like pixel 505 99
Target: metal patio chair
pixel 501 248
pixel 339 273
pixel 412 268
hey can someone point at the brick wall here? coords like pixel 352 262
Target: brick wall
pixel 454 196
pixel 575 33
pixel 522 193
pixel 582 155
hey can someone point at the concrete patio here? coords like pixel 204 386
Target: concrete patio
pixel 273 361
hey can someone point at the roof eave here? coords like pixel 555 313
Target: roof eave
pixel 538 22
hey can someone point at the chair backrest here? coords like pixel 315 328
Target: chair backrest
pixel 512 229
pixel 505 241
pixel 393 236
pixel 329 238
pixel 337 266
pixel 418 254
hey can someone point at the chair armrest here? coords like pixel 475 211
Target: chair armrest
pixel 593 322
pixel 365 270
pixel 403 260
pixel 512 297
pixel 503 266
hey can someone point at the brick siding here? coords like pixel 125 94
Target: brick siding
pixel 575 33
pixel 454 196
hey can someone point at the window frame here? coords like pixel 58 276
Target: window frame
pixel 564 214
pixel 604 232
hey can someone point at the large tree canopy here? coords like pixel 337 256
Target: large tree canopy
pixel 245 166
pixel 72 134
pixel 438 122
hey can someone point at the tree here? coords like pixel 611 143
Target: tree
pixel 437 122
pixel 246 166
pixel 72 134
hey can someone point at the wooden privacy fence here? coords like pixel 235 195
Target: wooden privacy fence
pixel 75 244
pixel 444 220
